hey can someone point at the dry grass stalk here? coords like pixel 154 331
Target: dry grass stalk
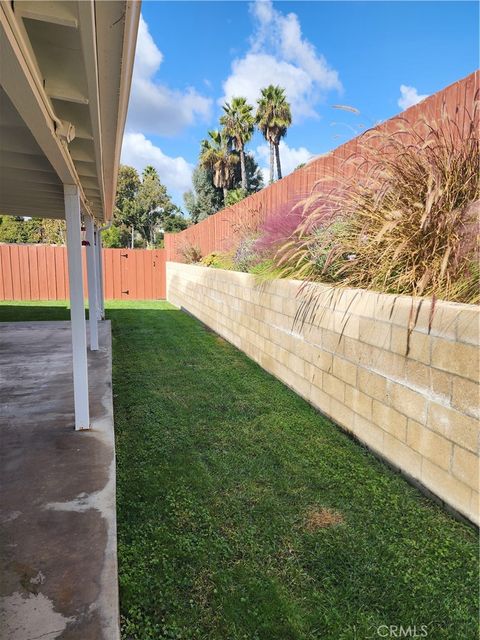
pixel 406 206
pixel 191 253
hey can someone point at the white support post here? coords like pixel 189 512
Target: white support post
pixel 77 307
pixel 92 283
pixel 101 300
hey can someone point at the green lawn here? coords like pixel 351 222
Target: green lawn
pixel 226 482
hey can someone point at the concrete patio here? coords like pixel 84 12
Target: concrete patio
pixel 57 501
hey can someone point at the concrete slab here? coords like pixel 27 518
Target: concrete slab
pixel 58 562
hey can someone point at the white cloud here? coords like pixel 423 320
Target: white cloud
pixel 175 173
pixel 155 108
pixel 257 70
pixel 409 96
pixel 279 54
pixel 264 13
pixel 290 158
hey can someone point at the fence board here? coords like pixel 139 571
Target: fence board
pixel 219 231
pixel 60 275
pixel 148 276
pixel 6 269
pixel 24 275
pixel 117 276
pixel 3 282
pixel 51 273
pixel 108 273
pixel 159 275
pixel 15 267
pixel 139 278
pixel 33 268
pixel 40 272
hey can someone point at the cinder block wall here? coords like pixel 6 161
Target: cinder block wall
pixel 418 410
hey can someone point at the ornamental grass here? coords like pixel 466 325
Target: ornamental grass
pixel 401 216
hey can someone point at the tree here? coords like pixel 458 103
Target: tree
pixel 142 204
pixel 128 184
pixel 114 238
pixel 175 222
pixel 234 196
pixel 254 175
pixel 205 198
pixel 215 155
pixel 53 231
pixel 152 207
pixel 17 229
pixel 273 118
pixel 238 123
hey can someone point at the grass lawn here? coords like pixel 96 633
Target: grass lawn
pixel 245 514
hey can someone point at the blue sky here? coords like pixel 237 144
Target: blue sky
pixel 379 57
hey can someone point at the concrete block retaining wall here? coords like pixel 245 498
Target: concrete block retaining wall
pixel 419 411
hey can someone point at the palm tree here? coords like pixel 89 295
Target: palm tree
pixel 238 123
pixel 215 155
pixel 273 119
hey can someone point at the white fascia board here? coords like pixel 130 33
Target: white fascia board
pixel 132 19
pixel 88 36
pixel 111 17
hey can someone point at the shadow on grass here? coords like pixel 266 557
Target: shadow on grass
pixel 33 311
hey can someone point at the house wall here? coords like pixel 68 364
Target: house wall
pixel 418 410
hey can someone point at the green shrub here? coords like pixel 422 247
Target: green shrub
pixel 15 229
pixel 112 238
pixel 265 270
pixel 218 260
pixel 234 196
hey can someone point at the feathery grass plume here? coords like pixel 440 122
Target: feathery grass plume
pixel 401 216
pixel 278 227
pixel 190 253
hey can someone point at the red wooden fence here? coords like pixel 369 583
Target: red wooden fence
pixel 217 232
pixel 40 272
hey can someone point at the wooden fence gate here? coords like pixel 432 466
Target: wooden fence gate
pixel 40 272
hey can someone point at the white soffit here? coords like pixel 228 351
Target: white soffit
pixel 28 183
pixel 65 75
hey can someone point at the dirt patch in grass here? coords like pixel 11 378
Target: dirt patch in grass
pixel 322 519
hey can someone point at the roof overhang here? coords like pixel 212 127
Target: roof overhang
pixel 65 76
